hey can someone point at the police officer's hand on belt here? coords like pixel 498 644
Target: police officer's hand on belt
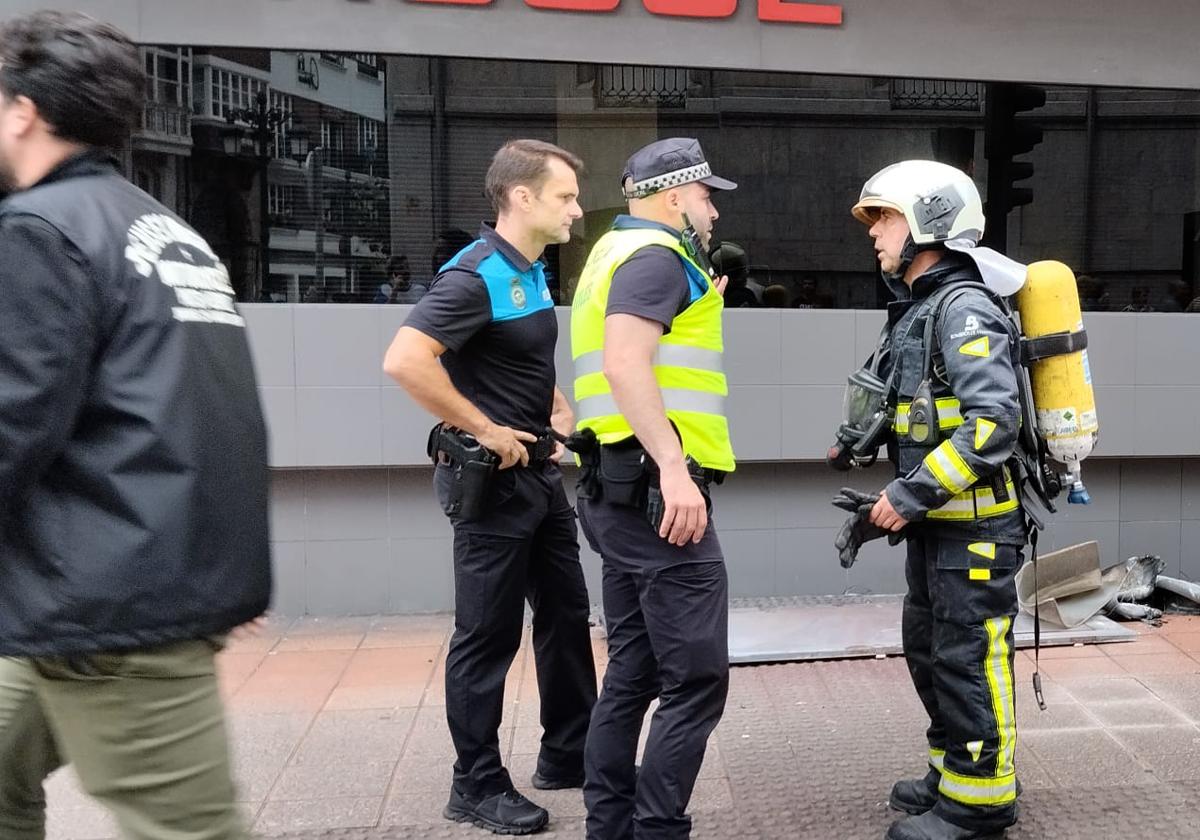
pixel 685 510
pixel 507 444
pixel 859 528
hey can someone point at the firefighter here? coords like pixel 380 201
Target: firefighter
pixel 951 359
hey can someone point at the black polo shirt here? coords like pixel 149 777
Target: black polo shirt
pixel 492 309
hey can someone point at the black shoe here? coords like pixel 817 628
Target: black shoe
pixel 500 813
pixel 555 782
pixel 916 796
pixel 929 826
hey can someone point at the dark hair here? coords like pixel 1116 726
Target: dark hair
pixel 397 264
pixel 84 76
pixel 523 163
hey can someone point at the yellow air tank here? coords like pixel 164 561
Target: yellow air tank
pixel 1062 383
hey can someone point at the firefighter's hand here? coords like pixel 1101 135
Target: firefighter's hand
pixel 721 282
pixel 685 513
pixel 508 444
pixel 884 516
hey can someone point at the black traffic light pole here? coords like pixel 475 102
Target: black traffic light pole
pixel 1007 135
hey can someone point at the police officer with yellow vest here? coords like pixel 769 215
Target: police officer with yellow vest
pixel 646 339
pixel 951 358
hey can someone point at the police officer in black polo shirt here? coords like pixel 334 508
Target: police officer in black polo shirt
pixel 489 320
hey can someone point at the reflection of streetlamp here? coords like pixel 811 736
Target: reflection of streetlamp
pixel 262 121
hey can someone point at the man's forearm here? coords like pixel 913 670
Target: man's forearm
pixel 562 418
pixel 429 385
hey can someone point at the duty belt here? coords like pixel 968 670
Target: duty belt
pixel 541 449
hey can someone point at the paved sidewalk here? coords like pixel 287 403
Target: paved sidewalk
pixel 339 732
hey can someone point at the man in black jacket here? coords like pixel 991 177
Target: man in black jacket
pixel 133 481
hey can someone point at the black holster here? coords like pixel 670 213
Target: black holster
pixel 472 468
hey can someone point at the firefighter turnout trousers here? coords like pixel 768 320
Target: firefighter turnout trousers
pixel 958 640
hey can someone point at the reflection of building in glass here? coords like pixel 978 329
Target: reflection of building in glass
pixel 371 156
pixel 316 138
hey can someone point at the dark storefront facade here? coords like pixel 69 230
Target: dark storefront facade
pixel 333 153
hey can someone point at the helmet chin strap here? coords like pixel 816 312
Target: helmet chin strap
pixel 907 254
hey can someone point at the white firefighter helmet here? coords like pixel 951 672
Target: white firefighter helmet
pixel 939 201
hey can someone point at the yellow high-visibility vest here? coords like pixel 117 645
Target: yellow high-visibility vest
pixel 687 365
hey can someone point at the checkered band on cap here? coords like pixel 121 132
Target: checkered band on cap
pixel 641 189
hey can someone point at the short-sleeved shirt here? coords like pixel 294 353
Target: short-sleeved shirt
pixel 653 283
pixel 492 309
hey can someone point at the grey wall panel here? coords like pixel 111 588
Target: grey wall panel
pixel 288 514
pixel 1103 480
pixel 562 350
pixel 754 413
pixel 290 596
pixel 1150 490
pixel 810 418
pixel 749 499
pixel 867 324
pixel 1190 488
pixel 1116 407
pixel 271 333
pixel 348 577
pixel 413 511
pixel 1162 343
pixel 878 571
pixel 1166 420
pixel 346 504
pixel 1112 347
pixel 341 426
pixel 1189 550
pixel 806 562
pixel 405 429
pixel 816 346
pixel 338 346
pixel 1161 538
pixel 750 560
pixel 420 575
pixel 1064 534
pixel 752 348
pixel 283 426
pixel 805 491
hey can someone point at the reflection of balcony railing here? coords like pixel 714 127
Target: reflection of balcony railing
pixel 935 95
pixel 166 122
pixel 625 84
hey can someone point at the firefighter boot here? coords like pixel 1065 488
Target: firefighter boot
pixel 916 796
pixel 929 826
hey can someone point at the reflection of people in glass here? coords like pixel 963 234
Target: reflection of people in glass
pixel 775 296
pixel 1093 293
pixel 401 288
pixel 1139 300
pixel 448 243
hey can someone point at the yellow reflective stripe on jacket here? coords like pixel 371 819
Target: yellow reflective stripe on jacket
pixel 674 399
pixel 972 790
pixel 1000 687
pixel 667 355
pixel 949 468
pixel 977 503
pixel 949 415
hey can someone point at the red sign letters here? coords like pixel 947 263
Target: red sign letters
pixel 778 11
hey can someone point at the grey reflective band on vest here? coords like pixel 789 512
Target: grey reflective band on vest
pixel 667 355
pixel 674 399
pixel 641 189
